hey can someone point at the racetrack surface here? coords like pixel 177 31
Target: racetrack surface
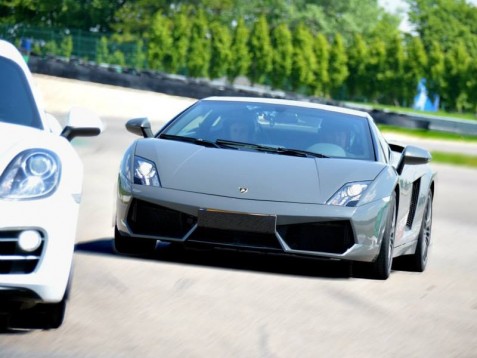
pixel 222 304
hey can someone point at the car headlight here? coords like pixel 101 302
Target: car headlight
pixel 145 172
pixel 32 174
pixel 349 194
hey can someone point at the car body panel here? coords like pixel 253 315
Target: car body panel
pixel 258 172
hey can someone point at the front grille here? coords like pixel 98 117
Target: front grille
pixel 149 219
pixel 238 239
pixel 332 237
pixel 13 260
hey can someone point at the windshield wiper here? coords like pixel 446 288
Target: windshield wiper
pixel 271 149
pixel 294 152
pixel 198 141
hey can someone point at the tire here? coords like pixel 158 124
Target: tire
pixel 132 245
pixel 418 261
pixel 381 268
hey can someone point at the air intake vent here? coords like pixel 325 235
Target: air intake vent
pixel 333 237
pixel 414 197
pixel 149 219
pixel 14 260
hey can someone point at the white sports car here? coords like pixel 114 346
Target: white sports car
pixel 40 191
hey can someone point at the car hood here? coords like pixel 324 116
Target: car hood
pixel 250 174
pixel 16 138
pixel 12 135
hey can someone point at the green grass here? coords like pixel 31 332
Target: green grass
pixel 469 116
pixel 427 134
pixel 455 159
pixel 439 157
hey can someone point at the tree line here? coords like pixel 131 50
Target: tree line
pixel 341 49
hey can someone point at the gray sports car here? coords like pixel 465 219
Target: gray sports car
pixel 273 175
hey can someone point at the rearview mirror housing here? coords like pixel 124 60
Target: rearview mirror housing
pixel 413 156
pixel 82 122
pixel 140 126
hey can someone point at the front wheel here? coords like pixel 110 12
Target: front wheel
pixel 381 268
pixel 132 245
pixel 418 261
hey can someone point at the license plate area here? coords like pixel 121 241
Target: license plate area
pixel 235 221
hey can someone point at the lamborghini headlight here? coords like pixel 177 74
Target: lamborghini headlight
pixel 145 172
pixel 32 174
pixel 349 194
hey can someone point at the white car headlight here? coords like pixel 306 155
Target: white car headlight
pixel 145 172
pixel 32 174
pixel 349 194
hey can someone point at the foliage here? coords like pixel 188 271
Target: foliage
pixel 160 43
pixel 344 49
pixel 357 61
pixel 198 57
pixel 220 50
pixel 261 51
pixel 282 56
pixel 321 49
pixel 338 68
pixel 304 60
pixel 241 57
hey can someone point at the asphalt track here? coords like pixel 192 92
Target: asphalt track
pixel 225 304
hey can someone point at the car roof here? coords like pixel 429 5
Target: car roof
pixel 289 102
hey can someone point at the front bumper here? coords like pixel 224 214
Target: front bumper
pixel 41 275
pixel 324 231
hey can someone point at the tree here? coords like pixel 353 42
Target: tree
pixel 304 60
pixel 70 14
pixel 357 61
pixel 138 60
pixel 435 71
pixel 133 19
pixel 282 56
pixel 338 68
pixel 66 46
pixel 321 50
pixel 376 68
pixel 445 21
pixel 180 38
pixel 261 52
pixel 393 79
pixel 160 43
pixel 415 66
pixel 198 57
pixel 457 63
pixel 102 51
pixel 241 57
pixel 220 50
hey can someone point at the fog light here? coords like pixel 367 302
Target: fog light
pixel 29 240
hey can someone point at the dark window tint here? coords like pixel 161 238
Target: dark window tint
pixel 321 131
pixel 16 100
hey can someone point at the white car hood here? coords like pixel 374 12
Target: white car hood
pixel 12 135
pixel 252 175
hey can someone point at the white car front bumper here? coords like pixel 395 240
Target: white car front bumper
pixel 42 274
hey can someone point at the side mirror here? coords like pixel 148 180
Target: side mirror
pixel 82 122
pixel 140 126
pixel 412 156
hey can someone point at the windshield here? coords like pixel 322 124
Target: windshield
pixel 320 131
pixel 16 100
